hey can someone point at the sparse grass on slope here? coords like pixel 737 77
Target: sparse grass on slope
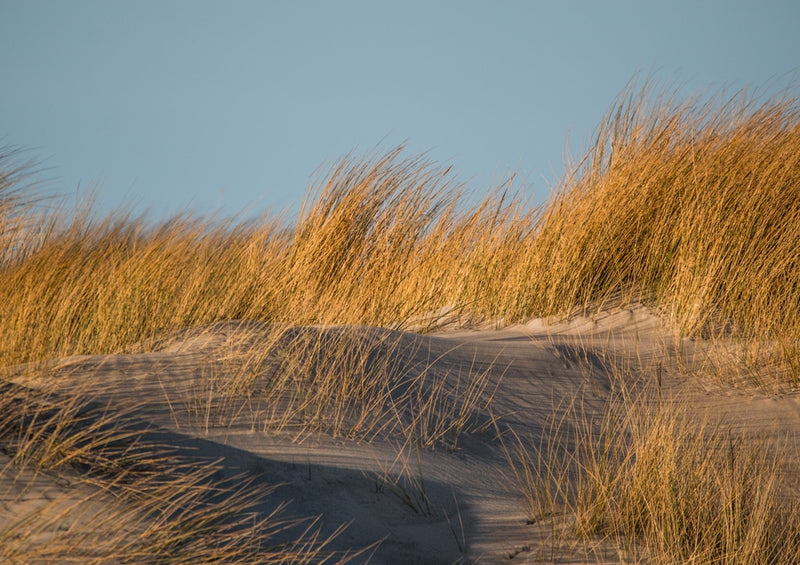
pixel 661 486
pixel 352 382
pixel 82 484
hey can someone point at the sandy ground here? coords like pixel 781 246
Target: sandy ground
pixel 421 505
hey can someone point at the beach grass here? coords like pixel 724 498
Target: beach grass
pixel 86 484
pixel 657 482
pixel 689 206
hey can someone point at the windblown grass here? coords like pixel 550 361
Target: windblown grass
pixel 688 205
pixel 86 485
pixel 659 485
pixel 357 383
pixel 692 207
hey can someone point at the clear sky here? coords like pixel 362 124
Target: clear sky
pixel 201 105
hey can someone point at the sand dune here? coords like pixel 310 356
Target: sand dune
pixel 455 500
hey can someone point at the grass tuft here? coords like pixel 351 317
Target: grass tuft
pixel 657 483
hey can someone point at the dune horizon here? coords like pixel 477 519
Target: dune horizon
pixel 406 375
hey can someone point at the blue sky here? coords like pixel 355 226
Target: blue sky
pixel 200 105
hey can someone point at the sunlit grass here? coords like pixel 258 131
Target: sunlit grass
pixel 691 207
pixel 85 484
pixel 658 484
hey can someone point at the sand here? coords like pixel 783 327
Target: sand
pixel 403 504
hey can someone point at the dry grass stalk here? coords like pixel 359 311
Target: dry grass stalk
pixel 663 487
pixel 692 207
pixel 124 498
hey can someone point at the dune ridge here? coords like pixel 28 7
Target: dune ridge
pixel 402 376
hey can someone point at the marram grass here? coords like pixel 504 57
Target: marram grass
pixel 691 207
pixel 661 486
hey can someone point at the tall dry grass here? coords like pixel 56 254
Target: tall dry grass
pixel 80 483
pixel 659 485
pixel 691 206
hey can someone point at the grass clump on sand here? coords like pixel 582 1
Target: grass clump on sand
pixel 658 485
pixel 691 206
pixel 82 484
pixel 648 479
